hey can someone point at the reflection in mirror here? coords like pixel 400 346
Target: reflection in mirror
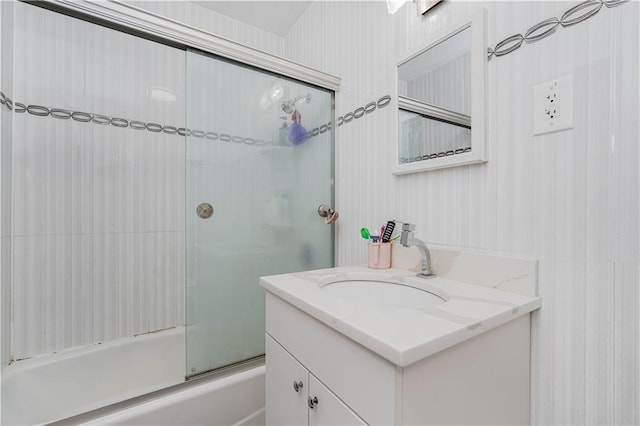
pixel 427 138
pixel 441 75
pixel 441 101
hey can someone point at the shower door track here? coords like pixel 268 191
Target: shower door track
pixel 119 14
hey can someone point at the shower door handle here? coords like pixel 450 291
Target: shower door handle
pixel 330 215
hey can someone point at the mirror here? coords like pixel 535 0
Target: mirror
pixel 441 100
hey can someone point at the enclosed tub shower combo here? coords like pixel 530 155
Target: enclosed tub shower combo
pixel 151 172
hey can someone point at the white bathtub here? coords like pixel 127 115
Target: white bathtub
pixel 55 387
pixel 237 399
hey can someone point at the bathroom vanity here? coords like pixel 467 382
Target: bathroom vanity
pixel 355 346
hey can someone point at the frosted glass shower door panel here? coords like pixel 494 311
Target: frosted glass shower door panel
pixel 263 179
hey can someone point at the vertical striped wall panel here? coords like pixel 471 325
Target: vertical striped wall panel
pixel 98 223
pixel 6 138
pixel 98 238
pixel 98 241
pixel 569 199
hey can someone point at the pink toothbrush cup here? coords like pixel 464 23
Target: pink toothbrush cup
pixel 380 255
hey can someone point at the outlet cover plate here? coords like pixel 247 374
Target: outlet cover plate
pixel 553 106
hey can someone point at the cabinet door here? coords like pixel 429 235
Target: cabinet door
pixel 284 404
pixel 326 409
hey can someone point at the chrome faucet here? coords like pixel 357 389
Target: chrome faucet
pixel 407 239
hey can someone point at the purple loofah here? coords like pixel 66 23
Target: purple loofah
pixel 297 134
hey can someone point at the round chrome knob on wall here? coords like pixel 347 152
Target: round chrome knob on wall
pixel 313 402
pixel 297 386
pixel 204 210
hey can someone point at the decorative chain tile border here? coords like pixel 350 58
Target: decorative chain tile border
pixel 85 117
pixel 404 160
pixel 381 103
pixel 363 110
pixel 104 120
pixel 578 13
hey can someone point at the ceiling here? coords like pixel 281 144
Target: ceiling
pixel 277 17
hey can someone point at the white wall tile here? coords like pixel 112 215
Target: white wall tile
pixel 5 299
pixel 600 344
pixel 6 138
pixel 80 289
pixel 98 236
pixel 99 239
pixel 626 356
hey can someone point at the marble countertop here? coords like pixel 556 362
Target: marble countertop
pixel 402 335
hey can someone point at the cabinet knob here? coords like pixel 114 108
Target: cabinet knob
pixel 297 386
pixel 313 402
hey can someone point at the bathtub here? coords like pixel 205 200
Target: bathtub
pixel 55 387
pixel 235 399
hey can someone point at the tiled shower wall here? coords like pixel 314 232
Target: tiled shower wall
pixel 97 236
pixel 6 80
pixel 568 199
pixel 98 222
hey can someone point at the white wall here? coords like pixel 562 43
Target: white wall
pixel 568 199
pixel 6 137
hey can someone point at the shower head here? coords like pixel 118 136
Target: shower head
pixel 290 106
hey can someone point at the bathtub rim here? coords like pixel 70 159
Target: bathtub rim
pixel 193 382
pixel 16 366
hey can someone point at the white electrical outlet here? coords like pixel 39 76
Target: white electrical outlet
pixel 553 106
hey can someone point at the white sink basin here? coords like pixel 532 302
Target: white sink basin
pixel 383 293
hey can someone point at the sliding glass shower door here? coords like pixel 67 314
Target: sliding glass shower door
pixel 259 163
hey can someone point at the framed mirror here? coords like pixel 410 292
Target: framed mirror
pixel 442 102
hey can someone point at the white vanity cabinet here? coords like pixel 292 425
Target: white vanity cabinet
pixel 483 380
pixel 296 397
